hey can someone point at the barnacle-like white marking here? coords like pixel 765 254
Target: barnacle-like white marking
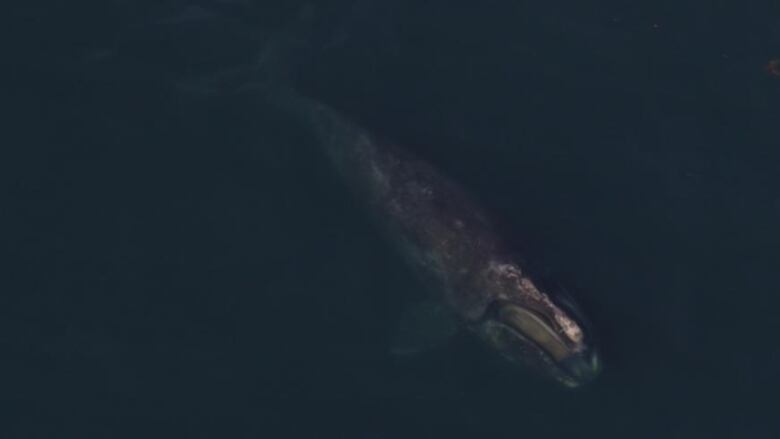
pixel 510 271
pixel 571 329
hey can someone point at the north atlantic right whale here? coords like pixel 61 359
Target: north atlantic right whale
pixel 474 275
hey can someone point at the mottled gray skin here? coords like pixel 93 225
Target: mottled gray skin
pixel 446 237
pixel 443 232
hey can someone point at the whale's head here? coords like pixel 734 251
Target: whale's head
pixel 538 327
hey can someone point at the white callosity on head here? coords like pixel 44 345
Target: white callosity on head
pixel 570 328
pixel 512 273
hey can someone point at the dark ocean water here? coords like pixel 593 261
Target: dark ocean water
pixel 185 264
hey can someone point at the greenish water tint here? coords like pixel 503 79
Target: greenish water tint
pixel 188 265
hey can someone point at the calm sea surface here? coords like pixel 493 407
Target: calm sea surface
pixel 182 263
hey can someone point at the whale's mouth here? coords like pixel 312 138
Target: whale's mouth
pixel 525 336
pixel 533 326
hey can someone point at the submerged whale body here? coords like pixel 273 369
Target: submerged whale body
pixel 450 241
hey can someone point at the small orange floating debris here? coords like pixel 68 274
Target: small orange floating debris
pixel 773 67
